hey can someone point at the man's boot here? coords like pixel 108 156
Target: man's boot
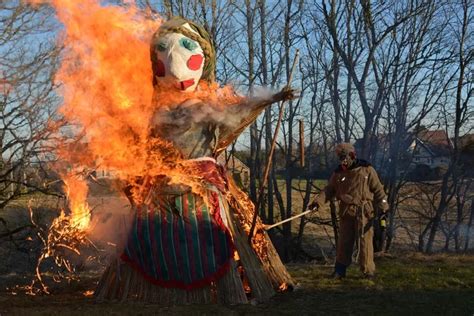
pixel 369 276
pixel 339 271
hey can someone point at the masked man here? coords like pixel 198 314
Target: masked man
pixel 356 185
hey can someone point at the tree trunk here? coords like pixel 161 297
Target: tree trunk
pixel 459 120
pixel 253 128
pixel 469 227
pixel 288 155
pixel 268 112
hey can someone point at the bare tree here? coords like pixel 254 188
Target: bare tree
pixel 28 61
pixel 415 61
pixel 377 27
pixel 461 26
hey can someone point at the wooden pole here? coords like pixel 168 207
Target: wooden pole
pixel 301 143
pixel 268 227
pixel 270 155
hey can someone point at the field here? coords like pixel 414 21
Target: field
pixel 407 282
pixel 416 207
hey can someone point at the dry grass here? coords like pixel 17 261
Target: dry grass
pixel 408 283
pixel 417 202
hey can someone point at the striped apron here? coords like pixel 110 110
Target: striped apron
pixel 178 241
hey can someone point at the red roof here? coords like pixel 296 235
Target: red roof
pixel 436 141
pixel 438 137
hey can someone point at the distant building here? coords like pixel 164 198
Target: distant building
pixel 381 150
pixel 431 148
pixel 428 149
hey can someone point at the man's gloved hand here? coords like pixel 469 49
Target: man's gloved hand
pixel 383 219
pixel 313 206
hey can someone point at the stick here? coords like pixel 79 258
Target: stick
pixel 268 227
pixel 270 156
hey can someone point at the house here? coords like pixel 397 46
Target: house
pixel 431 148
pixel 427 150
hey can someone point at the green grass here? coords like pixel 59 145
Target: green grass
pixel 410 284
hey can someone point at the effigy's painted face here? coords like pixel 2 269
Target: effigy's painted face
pixel 180 60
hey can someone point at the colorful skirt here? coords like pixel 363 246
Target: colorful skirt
pixel 179 242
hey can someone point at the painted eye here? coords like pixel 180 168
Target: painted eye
pixel 188 44
pixel 162 46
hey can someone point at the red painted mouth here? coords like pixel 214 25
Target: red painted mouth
pixel 183 85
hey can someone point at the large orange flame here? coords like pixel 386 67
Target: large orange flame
pixel 106 86
pixel 76 190
pixel 106 81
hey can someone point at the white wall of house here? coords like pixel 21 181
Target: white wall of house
pixel 422 156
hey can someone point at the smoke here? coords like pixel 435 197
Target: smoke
pixel 111 222
pixel 225 108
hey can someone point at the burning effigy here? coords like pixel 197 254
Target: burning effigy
pixel 161 127
pixel 189 236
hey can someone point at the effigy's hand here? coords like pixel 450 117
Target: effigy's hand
pixel 286 94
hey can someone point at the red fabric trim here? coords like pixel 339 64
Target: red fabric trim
pixel 217 217
pixel 216 210
pixel 215 213
pixel 212 173
pixel 221 271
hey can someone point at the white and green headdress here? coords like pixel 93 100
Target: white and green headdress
pixel 182 53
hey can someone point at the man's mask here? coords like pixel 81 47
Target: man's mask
pixel 180 61
pixel 346 154
pixel 346 160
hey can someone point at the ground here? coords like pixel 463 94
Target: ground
pixel 407 283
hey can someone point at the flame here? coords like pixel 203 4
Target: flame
pixel 283 287
pixel 76 190
pixel 106 85
pixel 88 293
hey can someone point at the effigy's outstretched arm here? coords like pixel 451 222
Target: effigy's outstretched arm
pixel 248 111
